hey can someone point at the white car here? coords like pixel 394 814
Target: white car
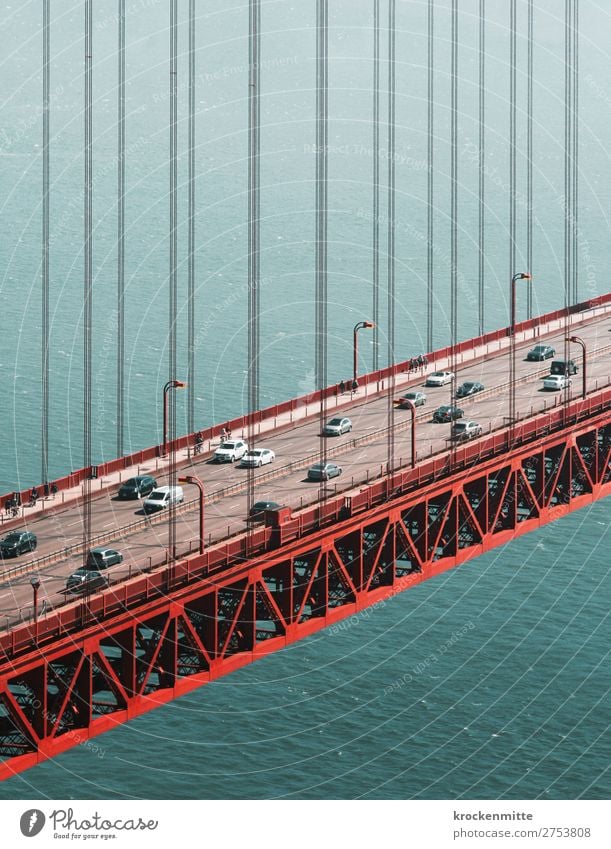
pixel 230 451
pixel 556 381
pixel 439 378
pixel 257 457
pixel 162 497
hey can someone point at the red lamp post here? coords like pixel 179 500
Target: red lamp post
pixel 580 341
pixel 197 482
pixel 171 384
pixel 355 350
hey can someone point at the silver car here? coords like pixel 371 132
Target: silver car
pixel 337 426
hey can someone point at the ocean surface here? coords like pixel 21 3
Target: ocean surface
pixel 491 681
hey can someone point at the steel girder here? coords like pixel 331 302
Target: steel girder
pixel 115 669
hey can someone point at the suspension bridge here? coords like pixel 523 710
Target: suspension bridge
pixel 209 585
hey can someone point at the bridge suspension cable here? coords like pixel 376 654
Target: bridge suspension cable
pixel 120 227
pixel 430 208
pixel 173 269
pixel 512 136
pixel 481 158
pixel 376 186
pixel 88 275
pixel 454 201
pixel 529 157
pixel 390 407
pixel 254 217
pixel 322 114
pixel 191 388
pixel 46 331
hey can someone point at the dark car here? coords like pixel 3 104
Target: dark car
pixel 137 487
pixel 86 580
pixel 447 414
pixel 566 367
pixel 469 388
pixel 16 543
pixel 103 557
pixel 323 471
pixel 259 507
pixel 541 352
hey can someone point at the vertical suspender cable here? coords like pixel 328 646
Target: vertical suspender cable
pixel 254 52
pixel 512 185
pixel 481 169
pixel 575 157
pixel 430 303
pixel 529 160
pixel 568 182
pixel 376 185
pixel 121 229
pixel 88 277
pixel 321 218
pixel 454 197
pixel 390 409
pixel 46 89
pixel 191 389
pixel 512 135
pixel 173 271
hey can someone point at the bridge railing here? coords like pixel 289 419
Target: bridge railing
pixel 269 414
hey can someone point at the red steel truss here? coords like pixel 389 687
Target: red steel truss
pixel 117 655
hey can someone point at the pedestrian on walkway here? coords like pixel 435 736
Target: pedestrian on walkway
pixel 342 387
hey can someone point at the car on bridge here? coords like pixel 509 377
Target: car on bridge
pixel 230 450
pixel 137 487
pixel 439 378
pixel 472 387
pixel 337 426
pixel 462 431
pixel 417 399
pixel 556 381
pixel 162 497
pixel 323 471
pixel 257 457
pixel 541 352
pixel 16 543
pixel 447 413
pixel 258 509
pixel 92 575
pixel 102 557
pixel 565 367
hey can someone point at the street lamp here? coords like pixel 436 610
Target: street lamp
pixel 583 375
pixel 412 407
pixel 197 482
pixel 355 349
pixel 35 584
pixel 523 275
pixel 171 384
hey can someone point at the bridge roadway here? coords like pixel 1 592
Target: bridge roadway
pixel 225 514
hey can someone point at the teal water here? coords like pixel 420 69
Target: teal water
pixel 490 681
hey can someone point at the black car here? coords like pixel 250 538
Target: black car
pixel 447 414
pixel 16 543
pixel 86 580
pixel 138 487
pixel 259 507
pixel 469 388
pixel 566 367
pixel 541 352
